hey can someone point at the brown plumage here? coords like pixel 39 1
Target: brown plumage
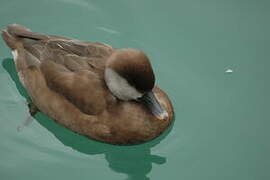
pixel 65 79
pixel 137 74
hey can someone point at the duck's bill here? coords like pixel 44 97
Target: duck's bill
pixel 151 102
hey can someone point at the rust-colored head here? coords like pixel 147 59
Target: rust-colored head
pixel 135 67
pixel 128 71
pixel 129 76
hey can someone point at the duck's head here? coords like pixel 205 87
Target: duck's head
pixel 129 76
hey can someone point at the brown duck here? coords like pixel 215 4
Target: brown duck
pixel 91 88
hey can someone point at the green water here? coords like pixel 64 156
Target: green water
pixel 221 129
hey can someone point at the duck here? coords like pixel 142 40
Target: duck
pixel 104 93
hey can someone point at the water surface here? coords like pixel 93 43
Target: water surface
pixel 221 129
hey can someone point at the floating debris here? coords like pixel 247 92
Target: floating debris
pixel 229 71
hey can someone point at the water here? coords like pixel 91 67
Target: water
pixel 221 129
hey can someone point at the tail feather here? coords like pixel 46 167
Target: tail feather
pixel 12 35
pixel 16 30
pixel 20 31
pixel 10 40
pixel 15 35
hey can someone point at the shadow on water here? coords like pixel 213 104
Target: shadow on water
pixel 9 65
pixel 135 161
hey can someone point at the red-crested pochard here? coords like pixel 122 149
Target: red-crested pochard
pixel 91 88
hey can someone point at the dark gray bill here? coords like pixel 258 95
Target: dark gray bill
pixel 151 102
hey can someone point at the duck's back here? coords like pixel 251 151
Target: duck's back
pixel 71 68
pixel 73 54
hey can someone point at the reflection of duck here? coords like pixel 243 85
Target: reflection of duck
pixel 91 88
pixel 135 161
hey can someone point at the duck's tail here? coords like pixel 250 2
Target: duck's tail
pixel 17 30
pixel 10 40
pixel 15 34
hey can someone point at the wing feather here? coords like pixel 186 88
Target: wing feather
pixel 83 88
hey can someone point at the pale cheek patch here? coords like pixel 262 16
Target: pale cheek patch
pixel 119 86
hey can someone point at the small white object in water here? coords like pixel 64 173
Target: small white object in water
pixel 229 71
